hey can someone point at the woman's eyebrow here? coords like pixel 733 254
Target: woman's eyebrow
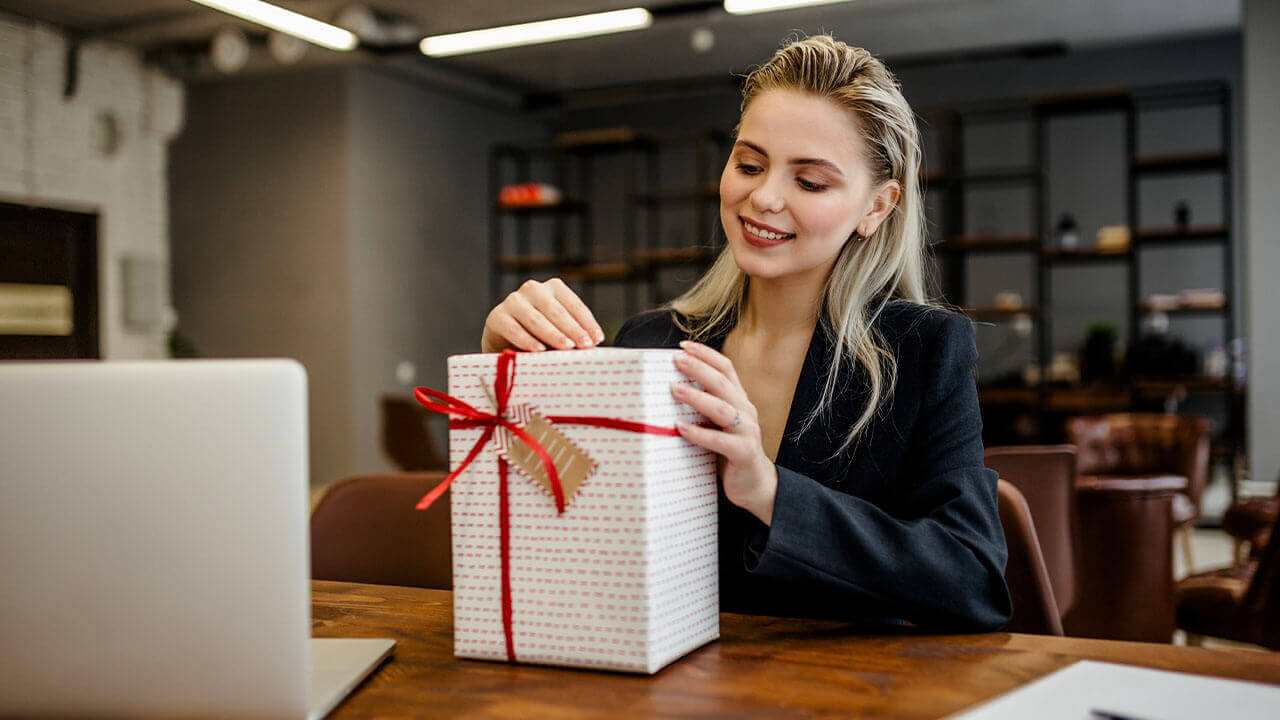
pixel 820 162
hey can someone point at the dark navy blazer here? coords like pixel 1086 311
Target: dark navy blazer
pixel 900 528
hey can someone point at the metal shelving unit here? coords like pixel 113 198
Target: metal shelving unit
pixel 1129 103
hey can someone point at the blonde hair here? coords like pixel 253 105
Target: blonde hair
pixel 869 272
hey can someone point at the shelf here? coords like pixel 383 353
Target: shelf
pixel 599 272
pixel 1084 255
pixel 1012 242
pixel 517 263
pixel 1171 163
pixel 1192 384
pixel 563 207
pixel 1006 396
pixel 1185 309
pixel 673 256
pixel 709 191
pixel 1088 399
pixel 997 312
pixel 1193 235
pixel 991 176
pixel 599 138
pixel 1110 98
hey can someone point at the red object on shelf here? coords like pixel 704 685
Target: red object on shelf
pixel 529 195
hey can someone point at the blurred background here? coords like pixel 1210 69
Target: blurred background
pixel 178 181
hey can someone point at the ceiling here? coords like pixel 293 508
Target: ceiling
pixel 892 28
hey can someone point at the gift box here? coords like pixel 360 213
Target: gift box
pixel 584 527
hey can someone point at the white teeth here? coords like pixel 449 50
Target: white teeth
pixel 759 232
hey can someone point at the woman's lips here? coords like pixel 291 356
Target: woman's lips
pixel 763 242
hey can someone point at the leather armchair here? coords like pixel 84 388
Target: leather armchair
pixel 1240 602
pixel 1148 445
pixel 366 529
pixel 1250 520
pixel 406 437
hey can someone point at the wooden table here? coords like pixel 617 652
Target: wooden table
pixel 760 667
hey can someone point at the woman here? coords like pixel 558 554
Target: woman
pixel 846 414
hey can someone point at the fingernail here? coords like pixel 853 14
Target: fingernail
pixel 599 335
pixel 584 341
pixel 677 388
pixel 685 344
pixel 539 347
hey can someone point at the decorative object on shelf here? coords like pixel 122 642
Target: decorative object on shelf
pixel 1202 298
pixel 1097 357
pixel 1008 300
pixel 1215 361
pixel 1160 302
pixel 532 194
pixel 1113 238
pixel 1021 325
pixel 1068 232
pixel 1182 215
pixel 1064 368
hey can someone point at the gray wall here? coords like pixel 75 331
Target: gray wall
pixel 418 227
pixel 1262 217
pixel 337 217
pixel 258 198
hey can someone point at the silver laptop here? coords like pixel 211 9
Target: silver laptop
pixel 153 544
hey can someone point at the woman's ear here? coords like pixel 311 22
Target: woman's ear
pixel 882 204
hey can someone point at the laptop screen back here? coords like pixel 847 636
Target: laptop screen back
pixel 153 542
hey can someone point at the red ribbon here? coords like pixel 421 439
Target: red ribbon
pixel 463 415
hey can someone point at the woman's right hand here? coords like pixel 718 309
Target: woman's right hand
pixel 538 316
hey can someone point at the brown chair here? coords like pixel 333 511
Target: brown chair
pixel 1249 520
pixel 1240 603
pixel 1046 477
pixel 1140 445
pixel 1034 608
pixel 365 529
pixel 406 437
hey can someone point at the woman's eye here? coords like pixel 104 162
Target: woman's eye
pixel 749 169
pixel 810 186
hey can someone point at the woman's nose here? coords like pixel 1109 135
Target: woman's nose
pixel 767 197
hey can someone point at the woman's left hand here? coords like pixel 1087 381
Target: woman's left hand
pixel 750 477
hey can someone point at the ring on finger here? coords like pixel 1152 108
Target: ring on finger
pixel 737 420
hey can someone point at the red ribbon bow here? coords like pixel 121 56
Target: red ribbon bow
pixel 463 415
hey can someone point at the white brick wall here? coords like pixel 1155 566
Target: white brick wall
pixel 47 156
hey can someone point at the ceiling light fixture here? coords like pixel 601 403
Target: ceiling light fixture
pixel 286 21
pixel 750 7
pixel 534 33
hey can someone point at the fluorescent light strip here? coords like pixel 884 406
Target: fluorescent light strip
pixel 750 7
pixel 534 33
pixel 287 22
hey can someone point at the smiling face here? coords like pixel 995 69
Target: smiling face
pixel 797 186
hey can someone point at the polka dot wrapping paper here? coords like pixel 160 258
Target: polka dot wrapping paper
pixel 626 578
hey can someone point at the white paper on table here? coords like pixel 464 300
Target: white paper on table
pixel 1073 692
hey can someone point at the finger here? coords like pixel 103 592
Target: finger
pixel 578 309
pixel 709 355
pixel 544 299
pixel 504 326
pixel 717 441
pixel 711 379
pixel 535 322
pixel 711 407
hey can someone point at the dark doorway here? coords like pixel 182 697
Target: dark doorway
pixel 48 283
